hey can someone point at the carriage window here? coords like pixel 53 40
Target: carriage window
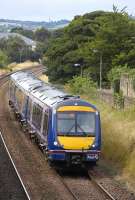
pixel 19 97
pixel 45 125
pixel 11 89
pixel 37 116
pixel 29 109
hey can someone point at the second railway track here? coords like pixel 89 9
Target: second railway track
pixel 11 184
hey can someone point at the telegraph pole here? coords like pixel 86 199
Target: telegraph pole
pixel 101 63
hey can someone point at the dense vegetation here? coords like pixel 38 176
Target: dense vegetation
pixel 110 35
pixel 40 35
pixel 24 32
pixel 14 49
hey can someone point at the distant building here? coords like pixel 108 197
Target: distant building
pixel 27 40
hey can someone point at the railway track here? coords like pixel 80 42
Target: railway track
pixel 100 187
pixel 88 189
pixel 11 186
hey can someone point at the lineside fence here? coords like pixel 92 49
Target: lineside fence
pixel 117 102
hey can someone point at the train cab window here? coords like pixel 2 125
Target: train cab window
pixel 76 123
pixel 66 123
pixel 37 116
pixel 45 125
pixel 86 123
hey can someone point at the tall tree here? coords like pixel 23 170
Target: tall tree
pixel 42 35
pixel 86 39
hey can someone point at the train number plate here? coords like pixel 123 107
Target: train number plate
pixel 91 156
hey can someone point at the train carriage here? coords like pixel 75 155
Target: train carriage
pixel 66 127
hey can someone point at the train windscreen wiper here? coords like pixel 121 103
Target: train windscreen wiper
pixel 69 131
pixel 83 132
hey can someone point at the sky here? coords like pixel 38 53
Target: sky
pixel 46 10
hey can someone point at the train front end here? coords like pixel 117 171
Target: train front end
pixel 77 134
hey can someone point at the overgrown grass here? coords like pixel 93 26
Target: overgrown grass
pixel 118 135
pixel 118 140
pixel 20 66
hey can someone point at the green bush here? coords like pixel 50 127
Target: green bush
pixel 82 85
pixel 118 100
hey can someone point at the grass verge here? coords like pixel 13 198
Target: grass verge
pixel 20 66
pixel 118 139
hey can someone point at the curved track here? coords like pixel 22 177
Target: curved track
pixel 11 184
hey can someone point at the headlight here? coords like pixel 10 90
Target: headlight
pixel 55 143
pixel 93 145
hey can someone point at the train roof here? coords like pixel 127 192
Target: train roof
pixel 45 92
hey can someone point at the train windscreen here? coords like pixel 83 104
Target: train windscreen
pixel 75 124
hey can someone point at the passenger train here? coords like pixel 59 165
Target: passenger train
pixel 65 126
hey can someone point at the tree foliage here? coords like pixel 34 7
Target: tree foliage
pixel 86 38
pixel 24 32
pixel 42 35
pixel 3 59
pixel 16 50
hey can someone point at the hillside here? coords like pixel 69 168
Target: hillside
pixel 6 25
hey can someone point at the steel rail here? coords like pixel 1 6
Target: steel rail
pixel 18 175
pixel 100 187
pixel 66 186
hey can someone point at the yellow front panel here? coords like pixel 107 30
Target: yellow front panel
pixel 76 143
pixel 76 108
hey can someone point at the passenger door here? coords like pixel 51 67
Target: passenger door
pixel 45 125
